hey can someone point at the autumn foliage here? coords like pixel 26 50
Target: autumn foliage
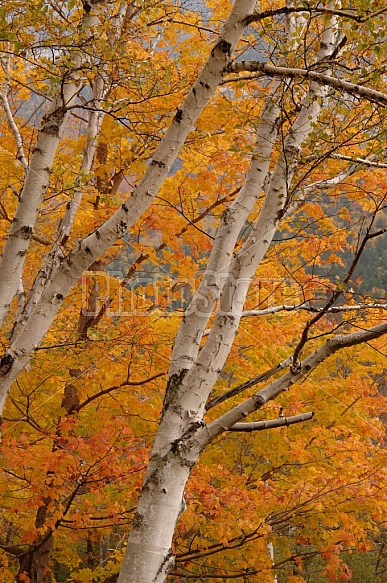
pixel 84 400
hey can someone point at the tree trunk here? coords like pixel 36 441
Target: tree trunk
pixel 149 554
pixel 34 563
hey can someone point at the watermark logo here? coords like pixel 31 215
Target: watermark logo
pixel 104 293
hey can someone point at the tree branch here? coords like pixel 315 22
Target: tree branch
pixel 208 433
pixel 353 159
pixel 240 388
pixel 279 422
pixel 11 122
pixel 12 549
pixel 371 95
pixel 306 8
pixel 306 308
pixel 116 388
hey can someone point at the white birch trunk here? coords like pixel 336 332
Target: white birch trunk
pixel 178 444
pixel 192 328
pixel 34 188
pixel 149 555
pixel 56 255
pixel 101 87
pixel 31 198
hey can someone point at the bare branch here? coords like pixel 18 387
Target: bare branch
pixel 279 422
pixel 260 68
pixel 306 8
pixel 295 374
pixel 11 122
pixel 12 549
pixel 308 308
pixel 354 160
pixel 117 388
pixel 251 383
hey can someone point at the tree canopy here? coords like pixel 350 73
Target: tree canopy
pixel 193 218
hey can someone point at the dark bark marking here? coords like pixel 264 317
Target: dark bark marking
pixel 138 520
pixel 158 163
pixel 25 232
pixel 154 479
pixel 175 446
pixel 225 216
pixel 86 7
pixel 53 121
pixel 6 363
pixel 223 46
pixel 172 389
pixel 258 401
pixel 179 116
pixel 64 240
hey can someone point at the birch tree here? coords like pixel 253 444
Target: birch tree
pixel 315 87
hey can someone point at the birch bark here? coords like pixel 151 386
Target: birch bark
pixel 101 86
pixel 31 198
pixel 36 182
